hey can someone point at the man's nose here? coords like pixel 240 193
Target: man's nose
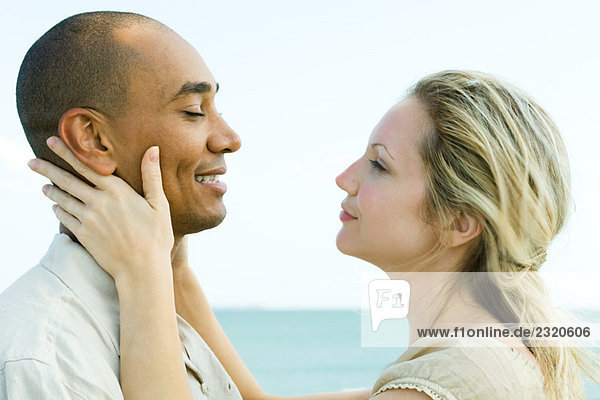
pixel 224 139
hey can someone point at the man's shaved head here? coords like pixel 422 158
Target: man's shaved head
pixel 112 84
pixel 79 63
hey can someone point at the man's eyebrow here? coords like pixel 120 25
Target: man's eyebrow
pixel 385 148
pixel 194 88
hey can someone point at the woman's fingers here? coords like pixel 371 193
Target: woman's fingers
pixel 64 180
pixel 67 202
pixel 152 180
pixel 60 148
pixel 69 221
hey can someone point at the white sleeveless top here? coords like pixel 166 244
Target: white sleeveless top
pixel 493 372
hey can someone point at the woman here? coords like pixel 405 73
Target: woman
pixel 466 175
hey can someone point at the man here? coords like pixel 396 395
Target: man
pixel 112 84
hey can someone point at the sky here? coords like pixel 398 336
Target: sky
pixel 303 83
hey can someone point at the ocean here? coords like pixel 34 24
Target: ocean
pixel 301 352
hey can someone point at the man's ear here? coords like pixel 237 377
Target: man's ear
pixel 464 229
pixel 82 130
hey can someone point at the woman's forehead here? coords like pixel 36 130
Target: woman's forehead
pixel 401 127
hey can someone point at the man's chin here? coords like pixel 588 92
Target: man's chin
pixel 193 223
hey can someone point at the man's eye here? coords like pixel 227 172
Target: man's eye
pixel 375 164
pixel 194 114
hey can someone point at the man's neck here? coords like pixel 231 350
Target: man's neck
pixel 176 242
pixel 63 229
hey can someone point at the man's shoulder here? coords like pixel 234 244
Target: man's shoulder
pixel 41 318
pixel 42 321
pixel 36 279
pixel 30 301
pixel 31 313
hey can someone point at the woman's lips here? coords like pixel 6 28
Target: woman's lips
pixel 344 216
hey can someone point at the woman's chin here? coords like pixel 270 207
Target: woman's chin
pixel 343 244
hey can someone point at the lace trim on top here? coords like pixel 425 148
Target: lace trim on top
pixel 418 384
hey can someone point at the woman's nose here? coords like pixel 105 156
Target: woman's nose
pixel 347 180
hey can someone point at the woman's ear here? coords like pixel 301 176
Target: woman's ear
pixel 82 130
pixel 464 228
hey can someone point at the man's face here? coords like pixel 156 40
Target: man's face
pixel 171 104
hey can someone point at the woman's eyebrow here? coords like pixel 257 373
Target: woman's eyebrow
pixel 374 145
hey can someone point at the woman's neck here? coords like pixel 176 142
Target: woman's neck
pixel 438 299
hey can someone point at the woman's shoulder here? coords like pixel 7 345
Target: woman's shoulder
pixel 451 368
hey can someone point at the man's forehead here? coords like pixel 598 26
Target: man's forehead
pixel 159 48
pixel 167 64
pixel 136 34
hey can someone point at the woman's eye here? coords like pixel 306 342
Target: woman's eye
pixel 375 164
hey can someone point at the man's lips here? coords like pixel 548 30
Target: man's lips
pixel 211 179
pixel 215 171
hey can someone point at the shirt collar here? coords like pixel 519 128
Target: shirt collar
pixel 94 287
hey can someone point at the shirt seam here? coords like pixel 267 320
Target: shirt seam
pixel 499 344
pixel 56 371
pixel 68 288
pixel 528 362
pixel 55 310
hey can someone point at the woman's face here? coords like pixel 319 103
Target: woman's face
pixel 382 214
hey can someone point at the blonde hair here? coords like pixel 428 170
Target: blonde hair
pixel 495 154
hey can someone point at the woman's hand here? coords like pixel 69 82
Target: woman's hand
pixel 124 232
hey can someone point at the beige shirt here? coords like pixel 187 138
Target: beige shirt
pixel 491 371
pixel 59 334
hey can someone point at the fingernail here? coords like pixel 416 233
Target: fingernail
pixel 32 163
pixel 54 208
pixel 45 189
pixel 51 141
pixel 154 154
